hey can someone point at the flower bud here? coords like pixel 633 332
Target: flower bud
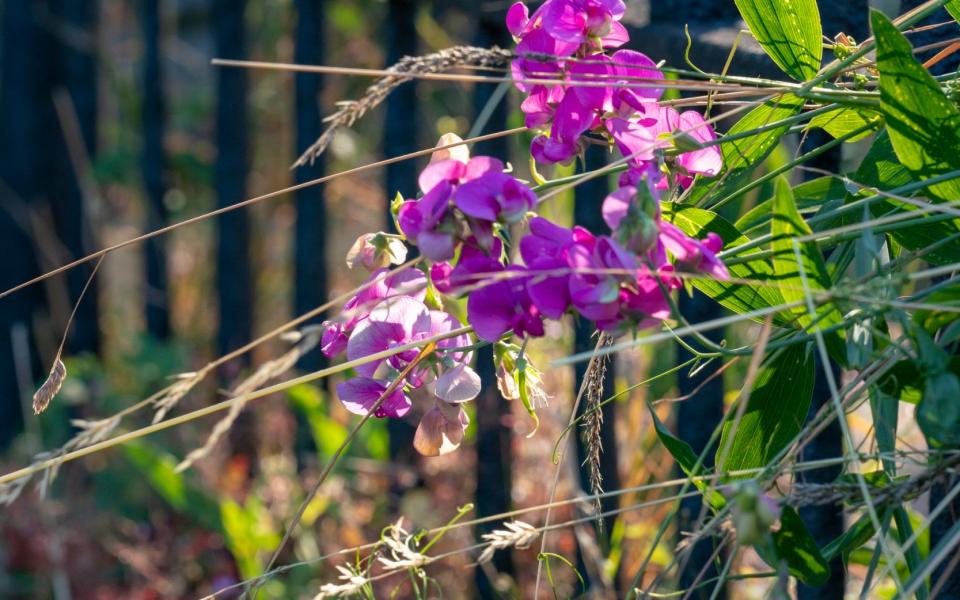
pixel 376 251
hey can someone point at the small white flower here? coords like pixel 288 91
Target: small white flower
pixel 353 584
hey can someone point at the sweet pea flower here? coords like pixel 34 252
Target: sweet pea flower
pixel 504 305
pixel 495 196
pixel 360 394
pixel 694 255
pixel 577 21
pixel 704 161
pixel 441 430
pixel 634 139
pixel 400 321
pixel 379 286
pixel 599 266
pixel 632 65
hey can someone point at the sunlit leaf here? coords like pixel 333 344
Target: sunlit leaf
pixel 845 120
pixel 789 31
pixel 797 547
pixel 738 297
pixel 795 285
pixel 775 413
pixel 924 125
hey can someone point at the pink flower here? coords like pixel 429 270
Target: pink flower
pixel 704 161
pixel 504 305
pixel 694 255
pixel 495 196
pixel 409 282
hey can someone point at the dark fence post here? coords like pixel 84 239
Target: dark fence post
pixel 73 72
pixel 234 281
pixel 21 88
pixel 697 417
pixel 493 446
pixel 400 137
pixel 586 212
pixel 311 236
pixel 153 168
pixel 230 175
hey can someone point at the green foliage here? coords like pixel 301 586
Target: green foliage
pixel 796 546
pixel 775 412
pixel 882 169
pixel 799 278
pixel 737 296
pixel 847 119
pixel 751 140
pixel 924 125
pixel 789 31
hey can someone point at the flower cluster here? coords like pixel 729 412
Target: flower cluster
pixel 390 313
pixel 469 210
pixel 599 95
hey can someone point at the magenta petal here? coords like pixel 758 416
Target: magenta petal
pixel 411 315
pixel 436 245
pixel 597 71
pixel 565 21
pixel 478 198
pixel 616 37
pixel 479 165
pixel 550 294
pixel 616 205
pixel 449 170
pixel 360 394
pixel 634 141
pixel 410 219
pixel 334 339
pixel 517 18
pixel 371 337
pixel 490 310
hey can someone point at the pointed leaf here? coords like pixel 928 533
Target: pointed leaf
pixel 789 31
pixel 924 125
pixel 788 224
pixel 847 119
pixel 775 412
pixel 797 547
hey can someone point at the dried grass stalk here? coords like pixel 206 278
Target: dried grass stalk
pixel 593 420
pixel 350 111
pixel 50 387
pixel 91 432
pixel 309 339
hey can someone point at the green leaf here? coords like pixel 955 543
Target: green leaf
pixel 742 155
pixel 953 7
pixel 797 547
pixel 924 125
pixel 844 120
pixel 789 31
pixel 686 458
pixel 881 169
pixel 855 536
pixel 788 224
pixel 775 412
pixel 186 498
pixel 738 297
pixel 808 195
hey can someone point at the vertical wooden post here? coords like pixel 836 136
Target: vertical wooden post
pixel 153 167
pixel 21 85
pixel 311 238
pixel 73 71
pixel 234 283
pixel 697 417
